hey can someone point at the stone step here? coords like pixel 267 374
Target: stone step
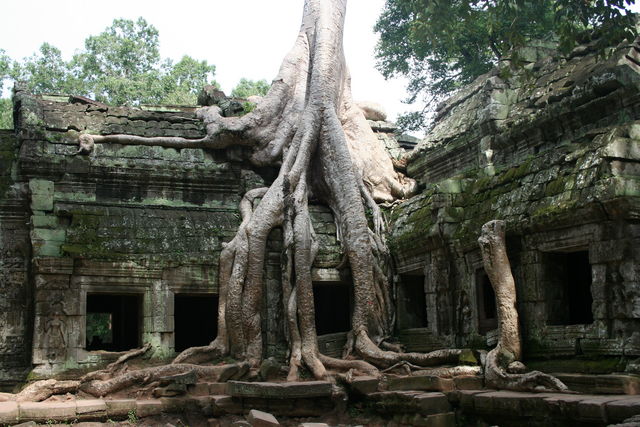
pixel 587 408
pixel 411 402
pixel 366 384
pixel 601 384
pixel 288 390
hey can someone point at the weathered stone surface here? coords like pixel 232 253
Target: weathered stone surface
pixel 372 111
pixel 92 407
pixel 261 419
pixel 421 382
pixel 393 402
pixel 120 407
pixel 289 390
pixel 150 407
pixel 364 384
pixel 48 410
pixel 620 410
pixel 9 412
pixel 602 384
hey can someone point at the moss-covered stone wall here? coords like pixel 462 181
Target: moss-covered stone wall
pixel 554 153
pixel 16 308
pixel 127 220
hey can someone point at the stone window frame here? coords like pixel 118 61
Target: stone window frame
pixel 93 289
pixel 570 239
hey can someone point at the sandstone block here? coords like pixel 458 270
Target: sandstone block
pixel 119 407
pixel 222 405
pixel 9 412
pixel 146 408
pixel 47 410
pixel 93 406
pixel 217 388
pixel 437 420
pixel 261 419
pixel 421 382
pixel 468 383
pixel 279 390
pixel 620 410
pixel 364 385
pixel 372 111
pixel 432 403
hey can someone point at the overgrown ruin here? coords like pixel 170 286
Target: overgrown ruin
pixel 118 248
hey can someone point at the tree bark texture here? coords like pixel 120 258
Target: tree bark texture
pixel 500 367
pixel 309 125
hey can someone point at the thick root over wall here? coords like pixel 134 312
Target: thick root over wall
pixel 309 126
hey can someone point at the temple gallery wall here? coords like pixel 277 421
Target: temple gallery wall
pixel 107 251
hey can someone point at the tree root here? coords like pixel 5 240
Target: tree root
pixel 100 384
pixel 42 390
pixel 496 376
pixel 509 349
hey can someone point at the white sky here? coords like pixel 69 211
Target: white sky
pixel 242 38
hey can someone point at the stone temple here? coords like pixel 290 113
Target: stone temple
pixel 108 251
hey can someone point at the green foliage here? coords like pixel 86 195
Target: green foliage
pixel 6 114
pixel 132 418
pixel 5 63
pixel 120 66
pixel 246 88
pixel 45 72
pixel 183 80
pixel 248 107
pixel 99 325
pixel 442 45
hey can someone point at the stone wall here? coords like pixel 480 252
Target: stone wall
pixel 15 253
pixel 556 157
pixel 140 221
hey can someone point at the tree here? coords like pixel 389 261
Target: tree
pixel 182 81
pixel 6 120
pixel 6 113
pixel 120 66
pixel 246 88
pixel 503 369
pixel 308 125
pixel 46 72
pixel 5 62
pixel 443 45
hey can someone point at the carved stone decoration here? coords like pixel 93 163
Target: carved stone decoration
pixel 55 332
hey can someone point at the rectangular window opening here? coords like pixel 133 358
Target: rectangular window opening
pixel 412 306
pixel 196 320
pixel 568 288
pixel 113 321
pixel 486 303
pixel 332 302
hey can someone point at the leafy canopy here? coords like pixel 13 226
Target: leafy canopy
pixel 440 45
pixel 120 66
pixel 246 88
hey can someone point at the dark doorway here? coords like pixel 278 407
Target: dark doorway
pixel 332 303
pixel 568 288
pixel 412 306
pixel 113 321
pixel 486 299
pixel 196 320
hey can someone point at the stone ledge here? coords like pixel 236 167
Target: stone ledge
pixel 280 390
pixel 557 406
pixel 47 411
pixel 601 384
pixel 9 412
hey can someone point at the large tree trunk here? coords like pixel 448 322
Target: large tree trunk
pixel 503 369
pixel 309 125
